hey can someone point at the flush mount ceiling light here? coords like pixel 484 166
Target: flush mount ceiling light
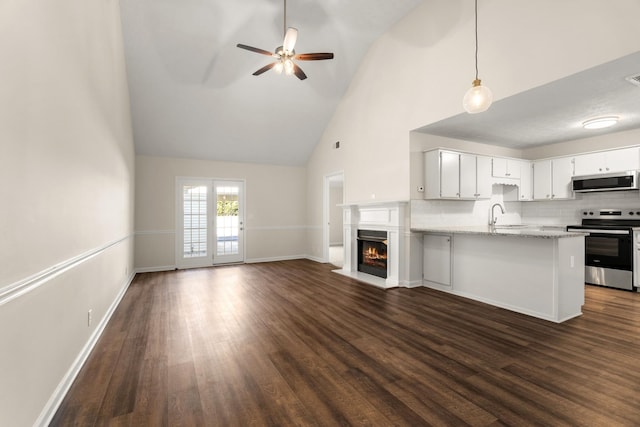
pixel 478 98
pixel 600 122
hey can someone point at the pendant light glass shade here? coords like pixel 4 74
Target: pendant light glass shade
pixel 477 99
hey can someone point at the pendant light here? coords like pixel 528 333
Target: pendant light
pixel 478 98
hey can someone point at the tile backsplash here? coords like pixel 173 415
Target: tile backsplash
pixel 438 213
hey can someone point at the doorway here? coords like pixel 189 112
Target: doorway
pixel 333 214
pixel 209 222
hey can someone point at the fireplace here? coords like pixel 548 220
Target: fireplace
pixel 372 252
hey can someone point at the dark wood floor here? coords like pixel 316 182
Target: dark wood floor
pixel 290 343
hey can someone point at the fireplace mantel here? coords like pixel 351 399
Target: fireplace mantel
pixel 391 217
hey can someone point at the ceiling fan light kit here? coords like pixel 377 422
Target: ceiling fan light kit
pixel 478 98
pixel 286 53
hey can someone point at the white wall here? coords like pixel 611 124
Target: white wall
pixel 417 73
pixel 336 223
pixel 275 211
pixel 67 167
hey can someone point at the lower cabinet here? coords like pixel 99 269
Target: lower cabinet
pixel 437 259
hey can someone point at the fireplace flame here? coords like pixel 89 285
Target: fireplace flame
pixel 372 253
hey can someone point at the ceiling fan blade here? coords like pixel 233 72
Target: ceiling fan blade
pixel 313 56
pixel 298 72
pixel 256 50
pixel 265 68
pixel 290 39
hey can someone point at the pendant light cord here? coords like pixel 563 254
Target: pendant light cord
pixel 476 15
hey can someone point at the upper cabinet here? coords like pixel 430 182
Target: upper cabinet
pixel 505 168
pixel 552 179
pixel 467 176
pixel 623 159
pixel 526 180
pixel 454 175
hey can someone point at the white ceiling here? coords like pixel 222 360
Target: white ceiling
pixel 192 92
pixel 554 112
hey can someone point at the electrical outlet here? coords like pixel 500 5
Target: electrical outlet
pixel 89 317
pixel 420 188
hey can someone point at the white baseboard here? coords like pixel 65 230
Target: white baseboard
pixel 273 259
pixel 411 284
pixel 155 269
pixel 315 259
pixel 60 392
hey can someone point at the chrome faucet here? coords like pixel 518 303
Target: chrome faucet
pixel 492 218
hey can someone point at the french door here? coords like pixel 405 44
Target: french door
pixel 210 222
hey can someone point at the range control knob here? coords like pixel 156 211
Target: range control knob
pixel 584 213
pixel 631 213
pixel 590 213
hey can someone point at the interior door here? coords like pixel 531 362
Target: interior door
pixel 228 233
pixel 193 224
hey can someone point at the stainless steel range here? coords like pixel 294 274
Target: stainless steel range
pixel 609 247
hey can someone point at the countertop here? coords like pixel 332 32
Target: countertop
pixel 544 232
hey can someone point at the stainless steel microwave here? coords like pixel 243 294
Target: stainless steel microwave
pixel 627 180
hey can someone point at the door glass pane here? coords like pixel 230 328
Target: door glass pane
pixel 227 225
pixel 194 202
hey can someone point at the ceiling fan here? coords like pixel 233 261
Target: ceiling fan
pixel 285 54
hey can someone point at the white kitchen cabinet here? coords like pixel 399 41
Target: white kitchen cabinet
pixel 437 259
pixel 454 175
pixel 475 176
pixel 622 159
pixel 552 179
pixel 636 258
pixel 542 180
pixel 526 181
pixel 449 175
pixel 505 168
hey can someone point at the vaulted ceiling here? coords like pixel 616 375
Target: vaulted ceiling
pixel 192 91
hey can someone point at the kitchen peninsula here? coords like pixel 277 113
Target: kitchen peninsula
pixel 537 271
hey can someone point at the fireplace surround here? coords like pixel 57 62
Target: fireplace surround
pixel 392 220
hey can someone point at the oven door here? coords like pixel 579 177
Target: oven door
pixel 608 256
pixel 610 249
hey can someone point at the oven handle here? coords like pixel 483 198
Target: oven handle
pixel 597 230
